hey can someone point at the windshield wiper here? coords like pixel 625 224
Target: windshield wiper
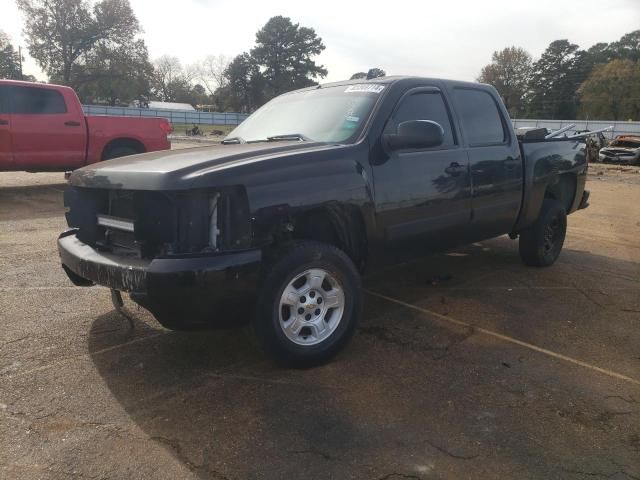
pixel 288 137
pixel 232 140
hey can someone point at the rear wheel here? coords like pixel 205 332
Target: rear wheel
pixel 541 244
pixel 308 304
pixel 119 151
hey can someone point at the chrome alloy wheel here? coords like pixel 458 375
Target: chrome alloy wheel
pixel 311 307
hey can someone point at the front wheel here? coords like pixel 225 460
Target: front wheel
pixel 308 304
pixel 540 245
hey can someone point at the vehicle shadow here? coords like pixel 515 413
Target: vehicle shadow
pixel 569 307
pixel 389 402
pixel 31 201
pixel 213 400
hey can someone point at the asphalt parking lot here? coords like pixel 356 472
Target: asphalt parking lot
pixel 466 365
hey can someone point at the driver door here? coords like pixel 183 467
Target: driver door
pixel 6 149
pixel 424 193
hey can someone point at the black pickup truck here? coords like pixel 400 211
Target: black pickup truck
pixel 276 225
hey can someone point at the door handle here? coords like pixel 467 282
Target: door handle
pixel 455 169
pixel 4 122
pixel 72 123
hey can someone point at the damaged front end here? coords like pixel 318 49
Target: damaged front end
pixel 176 253
pixel 624 149
pixel 149 224
pixel 613 155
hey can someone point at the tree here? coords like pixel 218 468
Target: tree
pixel 284 52
pixel 509 72
pixel 61 33
pixel 9 60
pixel 554 82
pixel 628 47
pixel 586 60
pixel 612 92
pixel 171 83
pixel 115 75
pixel 244 87
pixel 375 73
pixel 371 73
pixel 599 53
pixel 551 90
pixel 211 72
pixel 199 95
pixel 368 75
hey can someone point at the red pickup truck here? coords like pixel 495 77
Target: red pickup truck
pixel 43 128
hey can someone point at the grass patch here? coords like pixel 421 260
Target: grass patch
pixel 181 128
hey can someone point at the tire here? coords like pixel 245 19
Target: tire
pixel 119 151
pixel 309 303
pixel 541 244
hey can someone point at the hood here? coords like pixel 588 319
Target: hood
pixel 621 150
pixel 180 169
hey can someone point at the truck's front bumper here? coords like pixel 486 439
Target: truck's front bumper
pixel 194 288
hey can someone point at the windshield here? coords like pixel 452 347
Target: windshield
pixel 330 114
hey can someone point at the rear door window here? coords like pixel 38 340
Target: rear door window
pixel 479 116
pixel 37 101
pixel 4 99
pixel 426 106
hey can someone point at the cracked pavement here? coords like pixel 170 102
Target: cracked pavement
pixel 414 396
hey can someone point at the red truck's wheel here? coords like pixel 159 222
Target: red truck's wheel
pixel 308 305
pixel 119 151
pixel 541 244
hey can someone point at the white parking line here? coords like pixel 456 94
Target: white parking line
pixel 62 287
pixel 535 287
pixel 506 338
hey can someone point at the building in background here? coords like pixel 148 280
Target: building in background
pixel 170 106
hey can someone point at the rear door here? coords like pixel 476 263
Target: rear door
pixel 495 162
pixel 424 193
pixel 6 154
pixel 47 133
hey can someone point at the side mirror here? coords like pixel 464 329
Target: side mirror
pixel 415 134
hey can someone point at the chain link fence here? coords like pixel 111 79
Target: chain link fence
pixel 174 116
pixel 229 118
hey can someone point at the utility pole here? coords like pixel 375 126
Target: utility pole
pixel 20 59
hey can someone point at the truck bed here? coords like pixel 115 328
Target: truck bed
pixel 150 132
pixel 562 158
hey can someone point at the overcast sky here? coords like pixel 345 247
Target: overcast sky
pixel 451 39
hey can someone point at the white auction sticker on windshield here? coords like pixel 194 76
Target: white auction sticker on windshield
pixel 364 88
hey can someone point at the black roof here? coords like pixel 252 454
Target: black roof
pixel 395 79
